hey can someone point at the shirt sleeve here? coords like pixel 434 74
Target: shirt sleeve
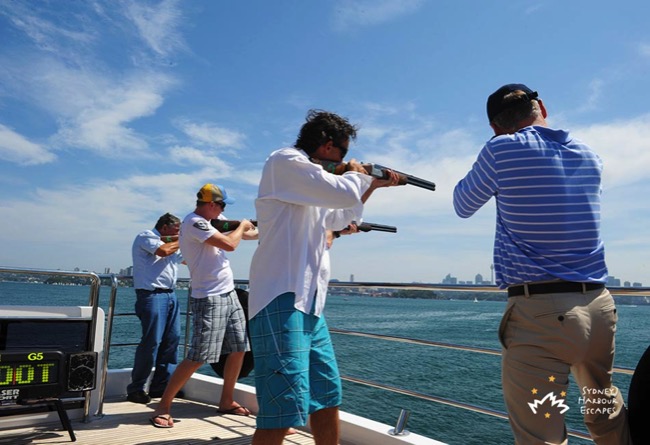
pixel 478 186
pixel 339 219
pixel 149 242
pixel 201 229
pixel 292 178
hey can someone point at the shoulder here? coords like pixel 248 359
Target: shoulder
pixel 511 138
pixel 196 223
pixel 524 138
pixel 188 220
pixel 288 154
pixel 145 235
pixel 287 161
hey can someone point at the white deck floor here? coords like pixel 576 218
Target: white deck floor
pixel 126 423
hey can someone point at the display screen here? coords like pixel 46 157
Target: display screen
pixel 33 369
pixel 26 374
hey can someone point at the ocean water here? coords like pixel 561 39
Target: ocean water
pixel 458 375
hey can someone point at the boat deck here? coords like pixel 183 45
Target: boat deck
pixel 126 423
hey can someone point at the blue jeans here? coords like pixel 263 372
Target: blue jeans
pixel 159 314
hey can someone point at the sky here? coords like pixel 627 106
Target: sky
pixel 115 112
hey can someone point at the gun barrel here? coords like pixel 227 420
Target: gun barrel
pixel 367 227
pixel 379 171
pixel 419 182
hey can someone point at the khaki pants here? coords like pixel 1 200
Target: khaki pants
pixel 546 336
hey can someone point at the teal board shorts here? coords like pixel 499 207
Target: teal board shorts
pixel 295 368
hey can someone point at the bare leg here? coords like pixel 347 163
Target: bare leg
pixel 181 375
pixel 230 374
pixel 325 426
pixel 269 437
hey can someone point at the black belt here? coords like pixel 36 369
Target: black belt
pixel 158 290
pixel 557 287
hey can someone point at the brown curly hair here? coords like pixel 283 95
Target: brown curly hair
pixel 322 126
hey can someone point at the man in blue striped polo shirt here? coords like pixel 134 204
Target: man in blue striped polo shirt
pixel 549 254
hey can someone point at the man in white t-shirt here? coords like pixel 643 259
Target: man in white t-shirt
pixel 219 323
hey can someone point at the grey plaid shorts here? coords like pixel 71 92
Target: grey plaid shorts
pixel 219 327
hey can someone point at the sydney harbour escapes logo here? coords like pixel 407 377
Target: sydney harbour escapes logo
pixel 549 403
pixel 591 401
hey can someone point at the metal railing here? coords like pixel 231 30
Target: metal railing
pixel 378 287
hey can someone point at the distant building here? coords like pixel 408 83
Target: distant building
pixel 480 281
pixel 613 281
pixel 637 284
pixel 351 278
pixel 449 279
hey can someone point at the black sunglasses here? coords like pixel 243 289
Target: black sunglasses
pixel 221 204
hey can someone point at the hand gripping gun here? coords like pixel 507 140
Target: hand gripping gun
pixel 376 171
pixel 367 227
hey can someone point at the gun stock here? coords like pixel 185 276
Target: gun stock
pixel 227 225
pixel 376 171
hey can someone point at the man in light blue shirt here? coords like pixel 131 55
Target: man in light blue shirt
pixel 155 269
pixel 548 253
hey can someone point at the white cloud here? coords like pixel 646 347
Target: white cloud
pixel 194 156
pixel 624 146
pixel 119 209
pixel 644 49
pixel 93 109
pixel 101 123
pixel 592 101
pixel 16 148
pixel 533 9
pixel 212 135
pixel 157 25
pixel 46 34
pixel 354 13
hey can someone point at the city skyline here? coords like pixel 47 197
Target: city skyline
pixel 449 279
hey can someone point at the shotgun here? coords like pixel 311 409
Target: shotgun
pixel 367 227
pixel 376 171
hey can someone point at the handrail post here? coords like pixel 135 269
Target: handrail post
pixel 107 343
pixel 93 302
pixel 400 426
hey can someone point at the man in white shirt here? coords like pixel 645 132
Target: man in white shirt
pixel 219 324
pixel 296 375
